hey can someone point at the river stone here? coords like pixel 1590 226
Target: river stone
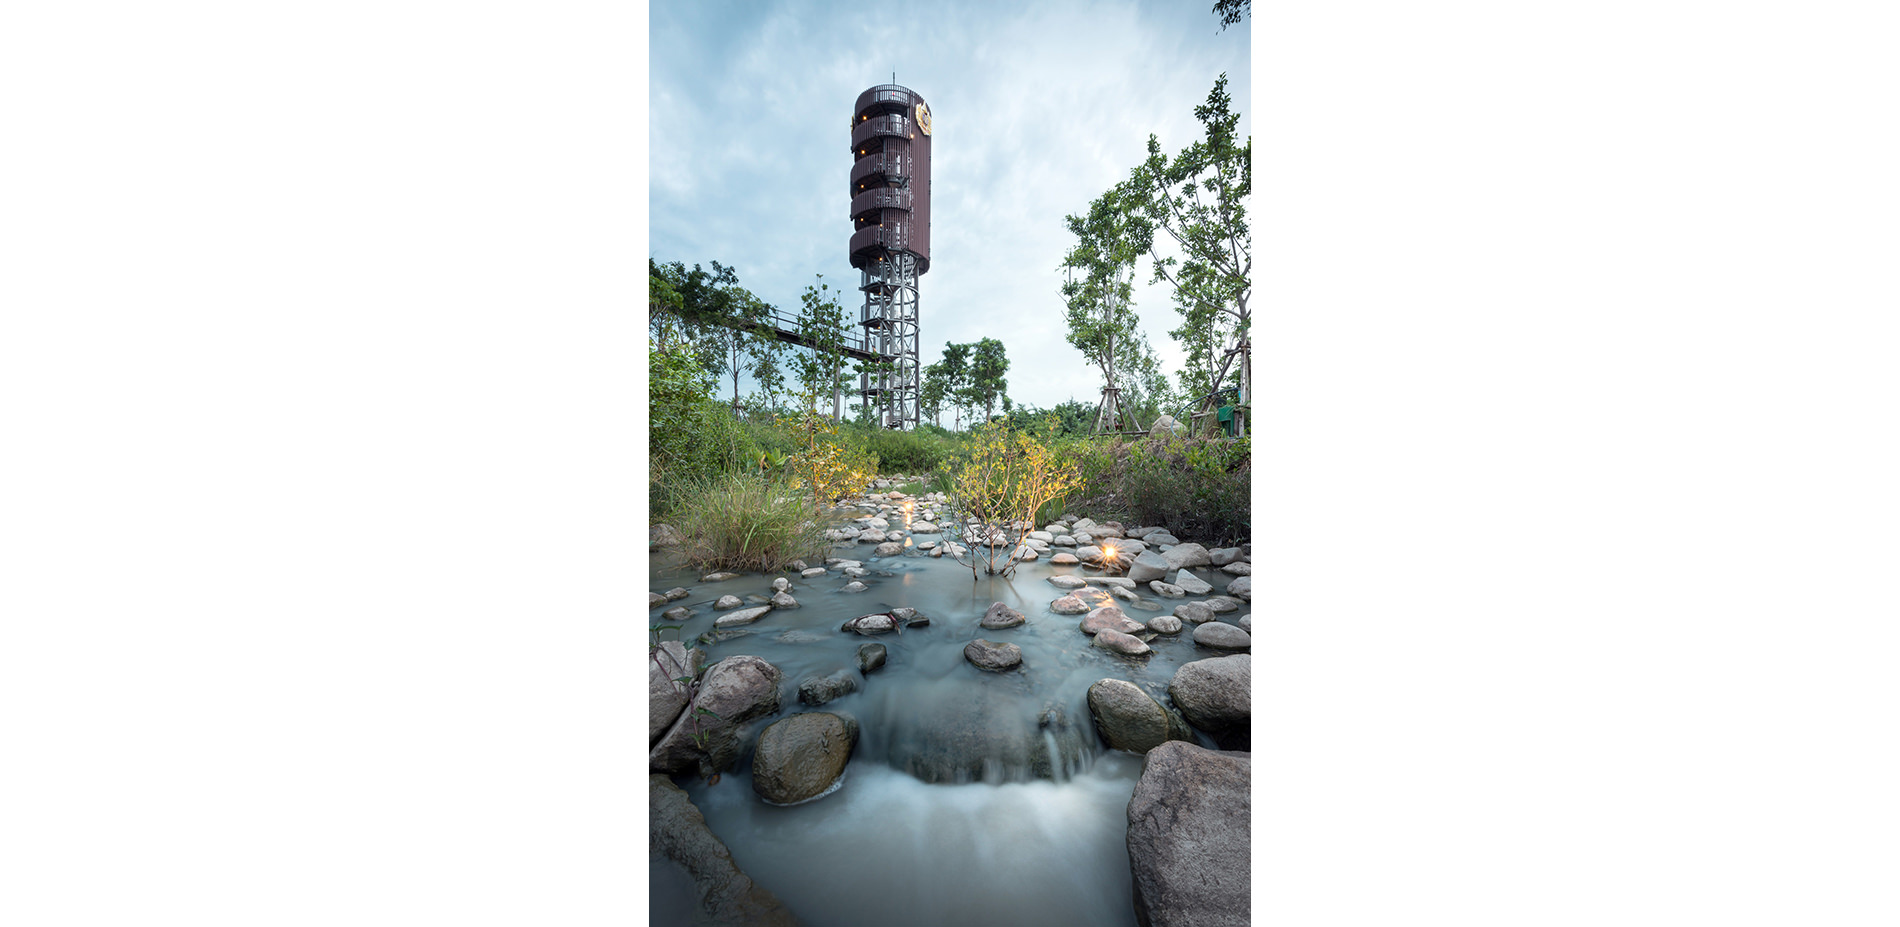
pixel 1083 538
pixel 870 657
pixel 800 756
pixel 742 616
pixel 1238 568
pixel 1064 540
pixel 1221 604
pixel 1246 623
pixel 1223 556
pixel 1165 624
pixel 871 536
pixel 675 594
pixel 1064 558
pixel 1082 524
pixel 677 613
pixel 1146 605
pixel 854 572
pixel 1241 588
pixel 1111 639
pixel 781 584
pixel 728 601
pixel 663 535
pixel 1110 618
pixel 1166 590
pixel 784 600
pixel 989 655
pixel 1219 636
pixel 1067 582
pixel 876 522
pixel 1121 581
pixel 888 549
pixel 1190 836
pixel 853 586
pixel 1025 553
pixel 1001 616
pixel 1147 566
pixel 903 614
pixel 1130 719
pixel 655 600
pixel 1126 595
pixel 734 690
pixel 870 624
pixel 1185 555
pixel 1069 605
pixel 718 577
pixel 927 545
pixel 821 689
pixel 665 696
pixel 923 527
pixel 727 897
pixel 1191 584
pixel 1193 612
pixel 1215 695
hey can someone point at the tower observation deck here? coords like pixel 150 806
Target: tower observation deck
pixel 890 241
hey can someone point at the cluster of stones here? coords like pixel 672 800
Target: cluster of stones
pixel 897 523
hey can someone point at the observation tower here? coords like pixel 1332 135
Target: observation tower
pixel 890 240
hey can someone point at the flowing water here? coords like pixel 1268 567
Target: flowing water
pixel 972 797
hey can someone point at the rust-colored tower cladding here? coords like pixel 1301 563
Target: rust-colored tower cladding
pixel 890 239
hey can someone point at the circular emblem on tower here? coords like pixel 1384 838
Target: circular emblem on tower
pixel 923 117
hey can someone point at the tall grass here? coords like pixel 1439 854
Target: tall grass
pixel 745 521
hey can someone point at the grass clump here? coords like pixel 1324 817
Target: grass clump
pixel 747 521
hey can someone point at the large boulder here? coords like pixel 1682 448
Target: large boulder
pixel 1167 590
pixel 1110 618
pixel 1148 566
pixel 1191 584
pixel 1216 695
pixel 1190 837
pixel 733 691
pixel 1001 616
pixel 1186 555
pixel 1110 639
pixel 1130 719
pixel 1194 612
pixel 991 656
pixel 1069 605
pixel 1164 624
pixel 888 549
pixel 727 897
pixel 801 756
pixel 1238 568
pixel 666 695
pixel 1219 636
pixel 1223 556
pixel 1241 588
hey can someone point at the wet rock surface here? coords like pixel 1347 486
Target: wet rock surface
pixel 726 896
pixel 1001 616
pixel 1216 696
pixel 801 756
pixel 1190 837
pixel 733 691
pixel 992 656
pixel 1128 718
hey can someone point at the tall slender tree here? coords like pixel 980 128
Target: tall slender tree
pixel 988 364
pixel 821 323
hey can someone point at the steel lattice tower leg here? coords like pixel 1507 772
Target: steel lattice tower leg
pixel 890 322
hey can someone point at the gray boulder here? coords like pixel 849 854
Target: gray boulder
pixel 991 656
pixel 1223 556
pixel 655 600
pixel 1167 590
pixel 1241 588
pixel 1190 837
pixel 733 691
pixel 718 577
pixel 801 756
pixel 887 549
pixel 726 897
pixel 727 601
pixel 1216 696
pixel 1130 719
pixel 1110 639
pixel 1167 424
pixel 677 613
pixel 1067 582
pixel 1186 555
pixel 742 616
pixel 1121 581
pixel 870 624
pixel 1148 566
pixel 821 689
pixel 871 536
pixel 1222 604
pixel 1064 558
pixel 666 696
pixel 1001 616
pixel 663 535
pixel 1164 624
pixel 870 657
pixel 1063 540
pixel 1238 568
pixel 1191 584
pixel 675 594
pixel 1089 554
pixel 1069 605
pixel 783 600
pixel 814 571
pixel 1110 618
pixel 1194 612
pixel 1218 636
pixel 781 584
pixel 853 586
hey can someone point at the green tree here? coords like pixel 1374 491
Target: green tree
pixel 1230 11
pixel 821 322
pixel 1098 293
pixel 988 364
pixel 949 378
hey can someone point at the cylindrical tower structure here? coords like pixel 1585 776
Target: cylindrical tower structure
pixel 890 240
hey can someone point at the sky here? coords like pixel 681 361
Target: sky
pixel 1036 111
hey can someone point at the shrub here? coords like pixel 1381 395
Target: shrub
pixel 745 521
pixel 1001 482
pixel 826 467
pixel 690 437
pixel 1197 487
pixel 908 452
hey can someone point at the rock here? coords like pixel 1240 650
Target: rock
pixel 1238 568
pixel 1246 623
pixel 1130 719
pixel 718 577
pixel 1190 836
pixel 666 695
pixel 675 594
pixel 1164 624
pixel 1124 593
pixel 888 549
pixel 1193 612
pixel 1223 556
pixel 1167 424
pixel 1167 590
pixel 876 522
pixel 1161 539
pixel 677 613
pixel 732 692
pixel 853 586
pixel 1067 582
pixel 781 584
pixel 801 756
pixel 1069 605
pixel 1063 540
pixel 1241 588
pixel 1064 558
pixel 1081 525
pixel 784 600
pixel 727 897
pixel 1040 536
pixel 1024 553
pixel 1121 581
pixel 927 545
pixel 1148 566
pixel 1218 636
pixel 1185 555
pixel 1001 616
pixel 991 656
pixel 1191 584
pixel 924 527
pixel 821 689
pixel 871 536
pixel 870 657
pixel 728 601
pixel 814 571
pixel 903 614
pixel 870 624
pixel 797 636
pixel 854 572
pixel 1089 554
pixel 1215 695
pixel 742 616
pixel 1110 618
pixel 1221 604
pixel 1111 639
pixel 655 600
pixel 1127 549
pixel 1056 528
pixel 663 535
